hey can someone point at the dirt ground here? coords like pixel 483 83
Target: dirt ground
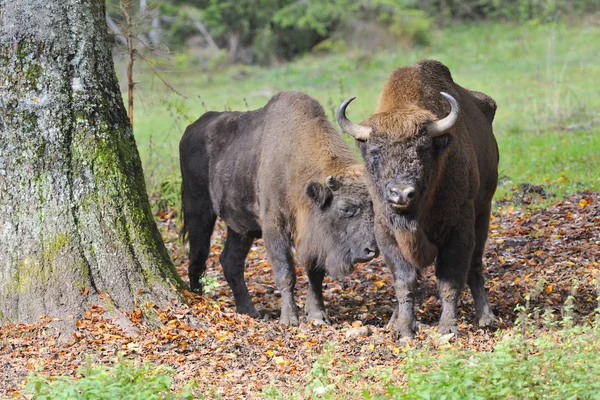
pixel 545 255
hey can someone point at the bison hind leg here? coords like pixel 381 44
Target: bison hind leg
pixel 200 227
pixel 484 315
pixel 233 260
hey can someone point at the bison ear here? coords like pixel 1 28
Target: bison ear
pixel 321 195
pixel 332 183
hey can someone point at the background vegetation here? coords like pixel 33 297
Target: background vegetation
pixel 541 75
pixel 266 31
pixel 538 59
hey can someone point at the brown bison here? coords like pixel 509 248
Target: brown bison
pixel 432 163
pixel 282 172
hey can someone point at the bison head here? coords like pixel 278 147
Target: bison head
pixel 340 229
pixel 402 149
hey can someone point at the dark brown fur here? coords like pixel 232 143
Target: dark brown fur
pixel 264 172
pixel 455 176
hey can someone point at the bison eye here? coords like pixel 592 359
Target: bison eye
pixel 347 211
pixel 375 156
pixel 441 142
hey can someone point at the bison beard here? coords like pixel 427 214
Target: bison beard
pixel 443 145
pixel 402 222
pixel 284 173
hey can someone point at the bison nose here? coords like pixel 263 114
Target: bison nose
pixel 400 194
pixel 371 252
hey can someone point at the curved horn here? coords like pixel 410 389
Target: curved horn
pixel 359 132
pixel 441 126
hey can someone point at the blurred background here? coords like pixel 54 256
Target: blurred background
pixel 539 59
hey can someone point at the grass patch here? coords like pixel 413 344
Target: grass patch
pixel 542 77
pixel 562 162
pixel 555 365
pixel 558 361
pixel 124 380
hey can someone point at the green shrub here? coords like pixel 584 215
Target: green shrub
pixel 331 46
pixel 510 10
pixel 122 381
pixel 167 195
pixel 558 361
pixel 558 364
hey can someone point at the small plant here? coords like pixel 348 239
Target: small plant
pixel 167 197
pixel 209 284
pixel 555 365
pixel 320 383
pixel 557 361
pixel 124 380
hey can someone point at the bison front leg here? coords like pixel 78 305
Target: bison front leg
pixel 451 270
pixel 483 312
pixel 280 255
pixel 315 307
pixel 405 275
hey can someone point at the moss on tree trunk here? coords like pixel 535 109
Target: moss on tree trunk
pixel 74 216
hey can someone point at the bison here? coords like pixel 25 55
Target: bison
pixel 285 173
pixel 432 167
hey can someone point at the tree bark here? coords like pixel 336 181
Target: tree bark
pixel 75 223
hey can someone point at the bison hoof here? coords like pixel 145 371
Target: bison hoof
pixel 197 289
pixel 318 318
pixel 290 320
pixel 406 330
pixel 250 312
pixel 446 328
pixel 319 321
pixel 487 320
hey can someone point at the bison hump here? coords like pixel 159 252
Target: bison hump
pixel 434 70
pixel 486 104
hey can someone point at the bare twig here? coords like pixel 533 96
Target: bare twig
pixel 200 26
pixel 115 29
pixel 160 77
pixel 127 9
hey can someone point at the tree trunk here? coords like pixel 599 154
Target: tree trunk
pixel 75 223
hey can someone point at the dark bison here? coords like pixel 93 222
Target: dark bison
pixel 282 172
pixel 432 163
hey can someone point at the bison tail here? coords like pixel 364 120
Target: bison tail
pixel 184 229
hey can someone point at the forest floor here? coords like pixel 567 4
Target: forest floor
pixel 535 258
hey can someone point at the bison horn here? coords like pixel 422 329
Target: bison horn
pixel 332 183
pixel 359 132
pixel 441 126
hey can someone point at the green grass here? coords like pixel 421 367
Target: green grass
pixel 562 162
pixel 124 380
pixel 543 77
pixel 556 365
pixel 558 361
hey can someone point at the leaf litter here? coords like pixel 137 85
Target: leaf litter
pixel 534 257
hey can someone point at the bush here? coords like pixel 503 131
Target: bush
pixel 122 381
pixel 558 364
pixel 511 10
pixel 557 361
